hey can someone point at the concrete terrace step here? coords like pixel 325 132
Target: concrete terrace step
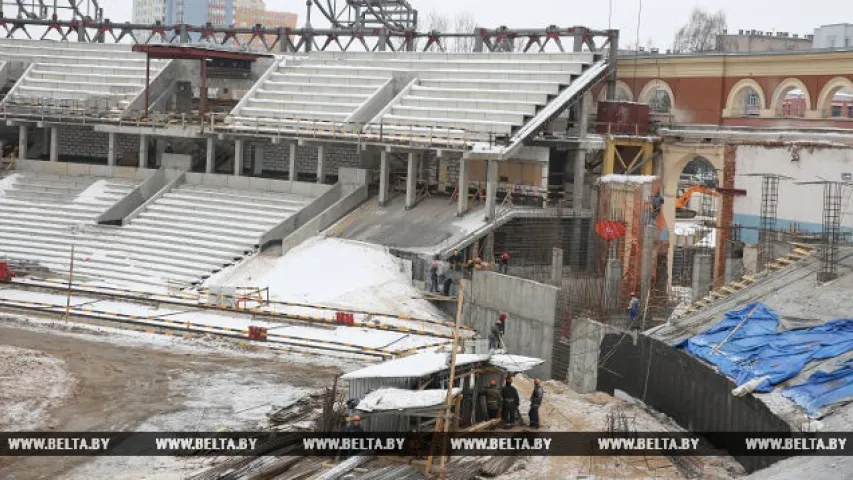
pixel 73 76
pixel 468 64
pixel 179 225
pixel 170 234
pixel 302 96
pixel 134 276
pixel 191 197
pixel 113 89
pixel 558 78
pixel 293 115
pixel 130 71
pixel 238 209
pixel 480 126
pixel 92 210
pixel 318 88
pixel 470 105
pixel 512 118
pixel 295 77
pixel 511 85
pixel 200 213
pixel 538 98
pixel 303 105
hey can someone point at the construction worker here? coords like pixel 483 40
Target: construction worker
pixel 455 260
pixel 535 402
pixel 354 425
pixel 633 309
pixel 510 403
pixel 169 148
pixel 433 277
pixel 497 332
pixel 493 399
pixel 504 262
pixel 469 268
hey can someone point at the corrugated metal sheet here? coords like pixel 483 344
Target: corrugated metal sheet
pixel 360 387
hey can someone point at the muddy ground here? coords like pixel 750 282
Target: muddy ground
pixel 120 387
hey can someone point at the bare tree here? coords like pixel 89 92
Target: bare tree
pixel 700 33
pixel 464 22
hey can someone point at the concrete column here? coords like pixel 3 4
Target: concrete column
pixel 22 141
pixel 291 173
pixel 210 161
pixel 111 148
pixel 384 172
pixel 646 268
pixel 612 284
pixel 491 189
pixel 592 236
pixel 412 180
pixel 557 267
pixel 238 157
pixel 54 146
pixel 258 160
pixel 321 160
pixel 462 202
pixel 143 151
pixel 703 265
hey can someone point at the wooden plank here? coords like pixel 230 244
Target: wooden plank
pixel 802 251
pixel 775 266
pixel 749 278
pixel 728 289
pixel 785 261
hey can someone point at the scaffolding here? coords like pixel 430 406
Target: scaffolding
pixel 830 237
pixel 767 232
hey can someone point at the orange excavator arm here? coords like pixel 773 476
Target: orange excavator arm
pixel 684 200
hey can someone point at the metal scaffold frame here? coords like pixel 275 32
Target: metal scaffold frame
pixel 767 231
pixel 833 192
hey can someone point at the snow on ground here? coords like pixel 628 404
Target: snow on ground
pixel 563 410
pixel 7 181
pixel 335 272
pixel 364 337
pixel 235 400
pixel 31 384
pixel 174 344
pixel 634 179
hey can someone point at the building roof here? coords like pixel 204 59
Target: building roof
pixel 388 399
pixel 414 366
pixel 197 52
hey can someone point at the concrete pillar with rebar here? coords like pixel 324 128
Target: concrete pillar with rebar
pixel 383 178
pixel 491 190
pixel 23 141
pixel 143 151
pixel 321 164
pixel 111 147
pixel 462 188
pixel 291 172
pixel 238 156
pixel 54 145
pixel 210 159
pixel 412 180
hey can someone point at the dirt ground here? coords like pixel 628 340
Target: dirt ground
pixel 567 411
pixel 120 387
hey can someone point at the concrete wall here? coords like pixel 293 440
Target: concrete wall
pixel 586 337
pixel 798 204
pixel 277 158
pixel 257 184
pixel 324 220
pixel 319 204
pixel 137 197
pixel 531 309
pixel 84 141
pixel 82 169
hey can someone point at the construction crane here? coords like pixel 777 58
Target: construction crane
pixel 683 202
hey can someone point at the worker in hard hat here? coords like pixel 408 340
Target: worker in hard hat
pixel 493 399
pixel 535 402
pixel 510 403
pixel 497 332
pixel 503 262
pixel 433 277
pixel 633 309
pixel 354 425
pixel 469 268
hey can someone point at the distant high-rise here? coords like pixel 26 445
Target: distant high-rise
pixel 238 13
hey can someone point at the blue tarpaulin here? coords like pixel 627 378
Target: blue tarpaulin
pixel 823 389
pixel 757 349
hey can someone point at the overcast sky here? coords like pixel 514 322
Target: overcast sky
pixel 659 20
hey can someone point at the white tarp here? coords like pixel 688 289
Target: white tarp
pixel 515 363
pixel 414 366
pixel 386 399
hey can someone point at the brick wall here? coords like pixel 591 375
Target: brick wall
pixel 80 141
pixel 277 158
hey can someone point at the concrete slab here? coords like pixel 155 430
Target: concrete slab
pixel 431 222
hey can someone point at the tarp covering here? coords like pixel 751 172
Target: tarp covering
pixel 386 399
pixel 823 389
pixel 757 349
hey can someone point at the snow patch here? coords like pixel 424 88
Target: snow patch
pixel 414 366
pixel 386 399
pixel 333 272
pixel 31 384
pixel 631 179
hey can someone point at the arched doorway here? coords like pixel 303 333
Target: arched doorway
pixel 697 205
pixel 836 99
pixel 746 99
pixel 791 99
